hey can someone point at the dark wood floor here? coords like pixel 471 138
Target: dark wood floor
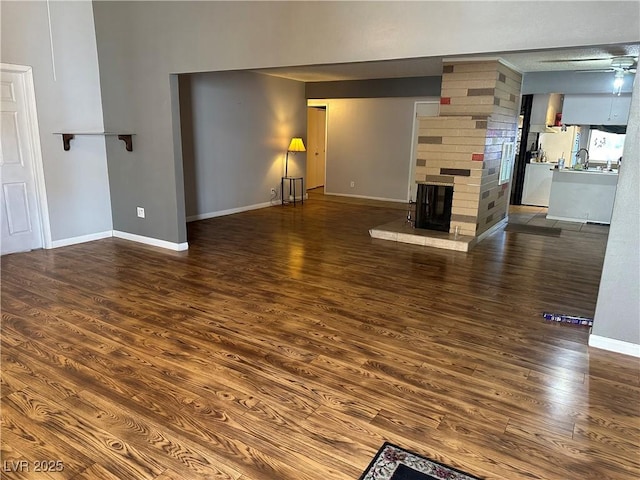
pixel 287 344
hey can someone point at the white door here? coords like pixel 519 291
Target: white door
pixel 20 219
pixel 316 140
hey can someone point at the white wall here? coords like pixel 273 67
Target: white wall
pixel 236 130
pixel 76 181
pixel 617 317
pixel 369 142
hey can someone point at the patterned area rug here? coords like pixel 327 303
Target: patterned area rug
pixel 394 463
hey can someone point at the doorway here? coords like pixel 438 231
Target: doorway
pixel 316 146
pixel 421 109
pixel 22 196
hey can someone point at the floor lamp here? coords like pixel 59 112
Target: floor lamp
pixel 296 145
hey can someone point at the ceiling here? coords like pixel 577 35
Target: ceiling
pixel 587 58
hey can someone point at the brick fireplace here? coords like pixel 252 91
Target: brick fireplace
pixel 463 146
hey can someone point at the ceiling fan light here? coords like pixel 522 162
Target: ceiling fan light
pixel 618 82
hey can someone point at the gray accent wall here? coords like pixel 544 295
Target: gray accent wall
pixel 369 142
pixel 618 309
pixel 376 88
pixel 77 188
pixel 236 130
pixel 137 91
pixel 140 44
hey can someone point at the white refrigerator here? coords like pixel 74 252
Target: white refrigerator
pixel 560 143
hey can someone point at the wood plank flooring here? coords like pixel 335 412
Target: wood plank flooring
pixel 288 344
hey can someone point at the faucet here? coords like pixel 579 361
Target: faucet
pixel 586 157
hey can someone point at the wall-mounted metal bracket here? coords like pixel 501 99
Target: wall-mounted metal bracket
pixel 127 138
pixel 66 141
pixel 128 141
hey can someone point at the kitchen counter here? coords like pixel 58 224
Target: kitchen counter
pixel 582 195
pixel 589 172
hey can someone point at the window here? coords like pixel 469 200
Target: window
pixel 506 162
pixel 605 146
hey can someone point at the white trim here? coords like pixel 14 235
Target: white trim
pixel 53 55
pixel 321 104
pixel 178 247
pixel 317 103
pixel 565 219
pixel 382 199
pixel 65 242
pixel 413 153
pixel 34 139
pixel 575 220
pixel 613 345
pixel 230 211
pixel 34 133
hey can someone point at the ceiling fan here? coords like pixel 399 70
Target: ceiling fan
pixel 626 64
pixel 622 64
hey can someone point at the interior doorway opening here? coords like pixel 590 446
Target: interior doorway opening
pixel 421 109
pixel 316 146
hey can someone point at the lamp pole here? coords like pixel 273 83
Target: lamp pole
pixel 286 165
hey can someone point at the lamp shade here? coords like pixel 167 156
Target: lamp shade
pixel 296 145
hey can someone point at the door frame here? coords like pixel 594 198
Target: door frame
pixel 322 104
pixel 414 144
pixel 26 72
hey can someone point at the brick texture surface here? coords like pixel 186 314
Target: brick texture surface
pixel 463 146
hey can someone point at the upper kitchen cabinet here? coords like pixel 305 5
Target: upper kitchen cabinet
pixel 543 112
pixel 596 109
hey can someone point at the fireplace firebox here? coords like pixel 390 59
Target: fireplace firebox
pixel 433 207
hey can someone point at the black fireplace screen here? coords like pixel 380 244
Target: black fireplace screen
pixel 433 207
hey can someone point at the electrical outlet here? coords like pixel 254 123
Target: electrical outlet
pixel 140 212
pixel 273 191
pixel 352 184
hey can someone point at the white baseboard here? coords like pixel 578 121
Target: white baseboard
pixel 576 220
pixel 81 239
pixel 614 345
pixel 230 211
pixel 178 247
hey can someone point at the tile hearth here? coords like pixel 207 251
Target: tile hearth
pixel 401 231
